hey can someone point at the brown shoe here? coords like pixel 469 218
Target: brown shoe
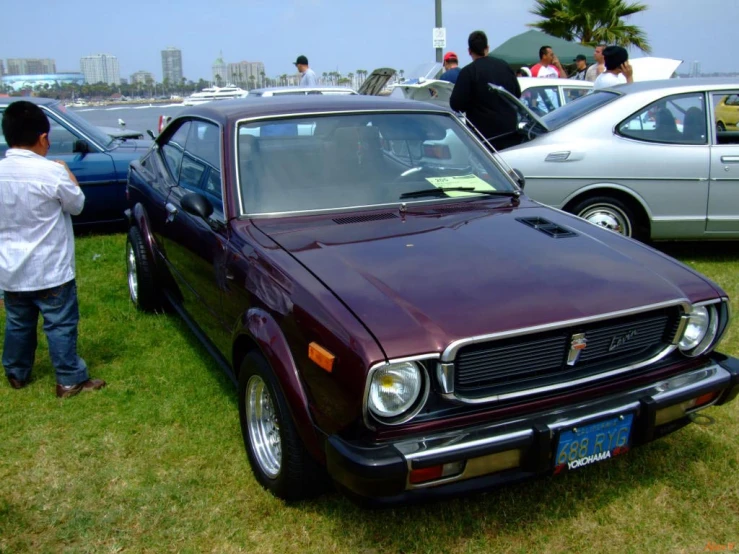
pixel 63 391
pixel 17 383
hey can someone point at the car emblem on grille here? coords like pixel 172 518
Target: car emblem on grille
pixel 620 340
pixel 577 345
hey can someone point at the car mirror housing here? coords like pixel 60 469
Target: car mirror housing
pixel 196 204
pixel 81 146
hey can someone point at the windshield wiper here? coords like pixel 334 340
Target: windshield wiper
pixel 439 191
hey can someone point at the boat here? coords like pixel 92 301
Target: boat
pixel 214 93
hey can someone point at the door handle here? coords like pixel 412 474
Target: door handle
pixel 171 211
pixel 729 159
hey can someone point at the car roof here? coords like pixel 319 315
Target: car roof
pixel 527 82
pixel 229 111
pixel 33 99
pixel 686 85
pixel 346 90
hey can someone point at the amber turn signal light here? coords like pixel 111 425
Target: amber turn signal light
pixel 322 357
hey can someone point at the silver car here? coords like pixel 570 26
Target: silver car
pixel 646 160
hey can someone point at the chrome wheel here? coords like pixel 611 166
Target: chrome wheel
pixel 264 427
pixel 608 216
pixel 133 281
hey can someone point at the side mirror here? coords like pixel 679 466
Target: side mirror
pixel 151 134
pixel 519 178
pixel 81 147
pixel 196 204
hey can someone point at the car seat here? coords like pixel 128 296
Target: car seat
pixel 694 126
pixel 665 126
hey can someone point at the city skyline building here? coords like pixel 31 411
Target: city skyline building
pixel 143 77
pixel 246 74
pixel 30 66
pixel 101 68
pixel 2 68
pixel 219 70
pixel 172 65
pixel 695 69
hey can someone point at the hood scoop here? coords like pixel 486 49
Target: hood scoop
pixel 365 218
pixel 547 227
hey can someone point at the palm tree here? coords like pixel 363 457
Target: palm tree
pixel 591 22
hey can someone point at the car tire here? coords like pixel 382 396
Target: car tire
pixel 142 286
pixel 611 213
pixel 720 127
pixel 279 460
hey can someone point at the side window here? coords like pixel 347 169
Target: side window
pixel 571 93
pixel 202 162
pixel 678 119
pixel 62 139
pixel 173 149
pixel 541 100
pixel 726 117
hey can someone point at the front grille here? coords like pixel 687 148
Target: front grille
pixel 541 359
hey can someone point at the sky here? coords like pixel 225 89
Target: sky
pixel 335 35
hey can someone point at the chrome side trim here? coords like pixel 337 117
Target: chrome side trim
pixel 450 353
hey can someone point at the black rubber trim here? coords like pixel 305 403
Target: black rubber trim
pixel 368 471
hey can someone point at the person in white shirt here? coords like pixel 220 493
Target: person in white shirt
pixel 618 69
pixel 599 66
pixel 308 76
pixel 548 65
pixel 37 270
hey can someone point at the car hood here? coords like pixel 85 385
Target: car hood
pixel 117 132
pixel 130 145
pixel 375 83
pixel 420 281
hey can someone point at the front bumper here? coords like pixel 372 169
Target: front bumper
pixel 513 450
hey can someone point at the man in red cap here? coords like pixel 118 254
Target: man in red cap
pixel 451 68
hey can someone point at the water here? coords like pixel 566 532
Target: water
pixel 137 117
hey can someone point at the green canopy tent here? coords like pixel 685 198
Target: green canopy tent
pixel 523 49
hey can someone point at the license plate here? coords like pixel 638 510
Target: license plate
pixel 594 442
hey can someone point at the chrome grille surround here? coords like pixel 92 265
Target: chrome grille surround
pixel 447 363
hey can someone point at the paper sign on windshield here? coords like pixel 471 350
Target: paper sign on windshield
pixel 460 181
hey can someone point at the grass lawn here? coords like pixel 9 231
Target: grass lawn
pixel 155 462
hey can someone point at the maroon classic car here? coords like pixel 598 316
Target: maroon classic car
pixel 398 316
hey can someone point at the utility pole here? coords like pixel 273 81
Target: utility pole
pixel 439 52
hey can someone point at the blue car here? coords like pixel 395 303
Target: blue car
pixel 100 162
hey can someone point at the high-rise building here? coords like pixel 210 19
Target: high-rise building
pixel 247 74
pixel 2 68
pixel 695 69
pixel 172 65
pixel 101 68
pixel 31 66
pixel 143 77
pixel 220 71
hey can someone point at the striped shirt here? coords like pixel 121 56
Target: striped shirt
pixel 37 200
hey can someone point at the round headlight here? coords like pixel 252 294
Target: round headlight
pixel 395 388
pixel 696 328
pixel 700 331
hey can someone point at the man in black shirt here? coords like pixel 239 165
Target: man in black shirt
pixel 486 110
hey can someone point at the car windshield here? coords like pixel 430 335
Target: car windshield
pixel 430 70
pixel 83 125
pixel 335 162
pixel 578 108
